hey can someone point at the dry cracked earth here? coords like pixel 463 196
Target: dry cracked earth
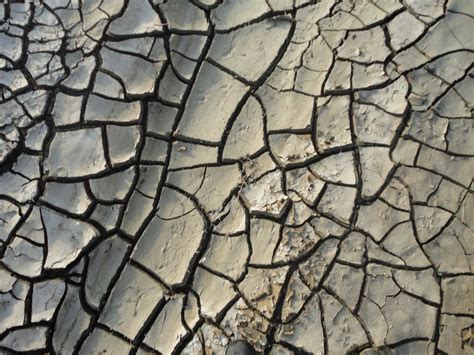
pixel 177 175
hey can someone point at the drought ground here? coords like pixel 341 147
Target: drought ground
pixel 177 175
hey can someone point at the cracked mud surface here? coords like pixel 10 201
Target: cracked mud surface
pixel 176 175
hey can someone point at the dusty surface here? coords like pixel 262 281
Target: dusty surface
pixel 176 175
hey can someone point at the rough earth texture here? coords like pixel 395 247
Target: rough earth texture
pixel 176 175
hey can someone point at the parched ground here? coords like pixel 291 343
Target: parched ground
pixel 176 175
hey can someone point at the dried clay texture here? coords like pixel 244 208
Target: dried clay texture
pixel 177 175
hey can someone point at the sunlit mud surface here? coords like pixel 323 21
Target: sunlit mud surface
pixel 177 175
